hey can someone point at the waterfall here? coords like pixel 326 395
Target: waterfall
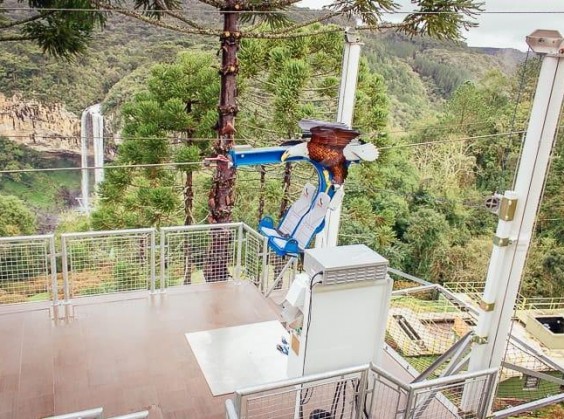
pixel 92 143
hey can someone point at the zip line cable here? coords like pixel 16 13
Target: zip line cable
pixel 123 166
pixel 186 141
pixel 426 143
pixel 270 12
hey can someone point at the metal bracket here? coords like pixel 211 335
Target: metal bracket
pixel 486 306
pixel 507 209
pixel 501 241
pixel 480 340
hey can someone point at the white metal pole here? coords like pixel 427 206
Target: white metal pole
pixel 84 161
pixel 347 94
pixel 517 218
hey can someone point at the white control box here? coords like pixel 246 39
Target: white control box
pixel 345 308
pixel 347 264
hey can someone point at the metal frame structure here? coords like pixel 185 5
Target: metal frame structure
pixel 252 261
pixel 103 251
pixel 377 394
pixel 32 257
pixel 98 413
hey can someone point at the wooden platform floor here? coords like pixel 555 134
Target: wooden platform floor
pixel 126 355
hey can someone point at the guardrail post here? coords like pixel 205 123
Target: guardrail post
pixel 64 261
pixel 152 261
pixel 238 269
pixel 163 261
pixel 264 273
pixel 362 387
pixel 53 263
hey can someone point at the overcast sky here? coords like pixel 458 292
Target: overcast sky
pixel 498 30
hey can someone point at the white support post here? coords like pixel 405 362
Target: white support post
pixel 517 215
pixel 85 182
pixel 347 94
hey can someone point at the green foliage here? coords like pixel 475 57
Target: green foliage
pixel 126 276
pixel 159 125
pixel 16 219
pixel 59 33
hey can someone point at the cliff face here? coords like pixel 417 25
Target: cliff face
pixel 43 127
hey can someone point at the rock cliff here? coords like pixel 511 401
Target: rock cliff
pixel 43 127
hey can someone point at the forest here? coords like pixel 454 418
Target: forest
pixel 448 121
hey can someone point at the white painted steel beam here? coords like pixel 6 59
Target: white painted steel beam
pixel 347 94
pixel 514 235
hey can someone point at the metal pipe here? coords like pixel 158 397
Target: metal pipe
pixel 53 263
pixel 527 407
pixel 152 261
pixel 26 238
pixel 64 261
pixel 239 252
pixel 408 276
pixel 137 415
pixel 195 227
pixel 441 381
pixel 107 233
pixel 163 261
pixel 84 414
pixel 230 412
pixel 300 380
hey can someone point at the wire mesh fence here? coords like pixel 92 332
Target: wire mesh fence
pixel 387 397
pixel 338 396
pixel 199 254
pixel 423 323
pixel 27 269
pixel 280 272
pixel 367 392
pixel 526 376
pixel 254 257
pixel 403 281
pixel 463 396
pixel 106 262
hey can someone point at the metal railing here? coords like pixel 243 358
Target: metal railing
pixel 28 269
pixel 474 290
pixel 365 391
pixel 337 391
pixel 105 262
pixel 98 413
pixel 200 253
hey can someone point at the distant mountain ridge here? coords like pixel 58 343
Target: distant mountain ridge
pixel 420 73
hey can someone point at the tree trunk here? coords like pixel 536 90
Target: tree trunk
pixel 221 197
pixel 286 188
pixel 188 194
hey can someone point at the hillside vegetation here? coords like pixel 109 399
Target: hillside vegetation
pixel 421 72
pixel 440 112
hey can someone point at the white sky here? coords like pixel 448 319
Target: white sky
pixel 496 30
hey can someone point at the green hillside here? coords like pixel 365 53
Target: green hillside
pixel 420 72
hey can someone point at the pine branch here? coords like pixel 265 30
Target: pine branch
pixel 24 21
pixel 185 20
pixel 154 22
pixel 268 6
pixel 215 3
pixel 307 23
pixel 16 38
pixel 270 35
pixel 178 16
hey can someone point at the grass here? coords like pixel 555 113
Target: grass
pixel 42 190
pixel 512 388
